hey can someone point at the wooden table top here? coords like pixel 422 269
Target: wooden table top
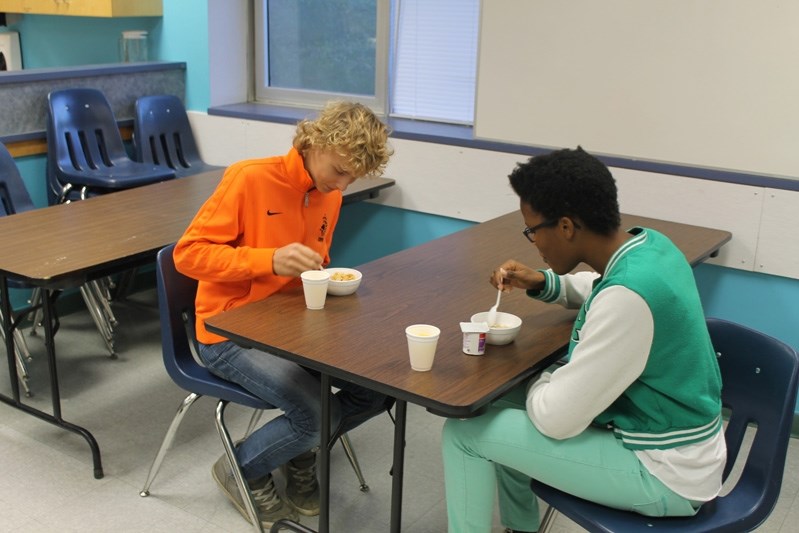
pixel 64 245
pixel 443 282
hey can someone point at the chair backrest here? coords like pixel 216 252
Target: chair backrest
pixel 760 376
pixel 14 197
pixel 85 132
pixel 176 293
pixel 163 135
pixel 85 152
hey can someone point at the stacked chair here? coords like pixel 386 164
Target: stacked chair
pixel 87 157
pixel 14 198
pixel 86 154
pixel 162 135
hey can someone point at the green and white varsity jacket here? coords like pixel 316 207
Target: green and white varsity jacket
pixel 640 362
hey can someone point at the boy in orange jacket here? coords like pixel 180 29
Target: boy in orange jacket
pixel 268 221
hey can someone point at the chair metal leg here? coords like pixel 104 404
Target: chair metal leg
pixel 22 346
pixel 22 355
pixel 167 442
pixel 101 306
pixel 103 298
pixel 230 451
pixel 87 293
pixel 548 520
pixel 347 445
pixel 99 319
pixel 36 317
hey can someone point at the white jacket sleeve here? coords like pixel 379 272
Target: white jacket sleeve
pixel 612 352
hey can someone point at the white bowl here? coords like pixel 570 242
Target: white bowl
pixel 343 288
pixel 505 329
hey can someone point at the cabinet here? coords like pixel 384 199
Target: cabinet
pixel 85 8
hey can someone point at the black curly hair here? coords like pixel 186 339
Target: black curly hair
pixel 570 183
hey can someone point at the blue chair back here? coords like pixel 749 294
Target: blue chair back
pixel 163 136
pixel 14 197
pixel 87 131
pixel 85 147
pixel 176 293
pixel 760 375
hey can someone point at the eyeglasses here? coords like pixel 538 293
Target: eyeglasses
pixel 529 232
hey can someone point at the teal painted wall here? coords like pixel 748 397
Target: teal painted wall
pixel 53 41
pixel 366 231
pixel 762 302
pixel 183 36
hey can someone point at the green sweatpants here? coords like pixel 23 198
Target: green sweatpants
pixel 500 451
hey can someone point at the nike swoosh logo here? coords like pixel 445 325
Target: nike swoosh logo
pixel 272 213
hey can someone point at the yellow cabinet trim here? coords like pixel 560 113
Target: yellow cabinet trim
pixel 85 8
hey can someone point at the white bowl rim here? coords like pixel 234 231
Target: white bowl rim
pixel 344 270
pixel 517 320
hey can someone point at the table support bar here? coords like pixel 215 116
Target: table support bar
pixel 47 417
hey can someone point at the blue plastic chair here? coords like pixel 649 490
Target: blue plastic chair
pixel 759 377
pixel 86 155
pixel 162 135
pixel 14 198
pixel 176 294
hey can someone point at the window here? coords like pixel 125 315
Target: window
pixel 405 58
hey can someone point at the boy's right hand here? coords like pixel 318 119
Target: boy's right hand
pixel 294 259
pixel 514 274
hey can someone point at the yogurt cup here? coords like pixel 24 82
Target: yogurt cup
pixel 474 337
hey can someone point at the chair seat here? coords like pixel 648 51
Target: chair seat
pixel 122 175
pixel 197 379
pixel 195 167
pixel 598 518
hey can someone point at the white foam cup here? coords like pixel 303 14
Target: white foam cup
pixel 422 342
pixel 314 286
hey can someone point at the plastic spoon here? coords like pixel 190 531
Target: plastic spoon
pixel 491 318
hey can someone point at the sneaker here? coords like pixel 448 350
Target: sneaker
pixel 268 505
pixel 302 487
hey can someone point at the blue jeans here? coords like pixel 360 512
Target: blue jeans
pixel 295 391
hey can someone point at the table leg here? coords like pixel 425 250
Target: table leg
pixel 324 457
pixel 48 304
pixel 398 467
pixel 9 337
pixel 48 312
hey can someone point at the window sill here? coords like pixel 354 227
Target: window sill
pixel 414 130
pixel 454 135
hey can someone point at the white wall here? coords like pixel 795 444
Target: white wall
pixel 698 82
pixel 472 184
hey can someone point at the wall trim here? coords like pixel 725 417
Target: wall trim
pixel 457 135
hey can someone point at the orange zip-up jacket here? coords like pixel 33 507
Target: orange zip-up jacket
pixel 260 205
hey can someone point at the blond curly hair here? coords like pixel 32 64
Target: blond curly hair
pixel 353 131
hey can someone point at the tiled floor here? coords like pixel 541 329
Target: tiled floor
pixel 47 485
